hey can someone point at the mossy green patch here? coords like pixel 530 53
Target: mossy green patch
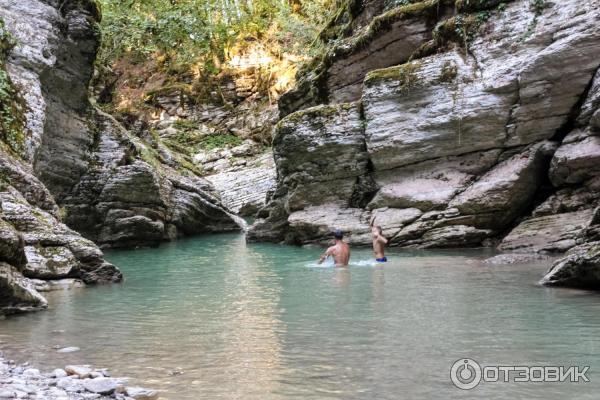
pixel 185 125
pixel 322 112
pixel 219 141
pixel 405 75
pixel 449 72
pixel 12 106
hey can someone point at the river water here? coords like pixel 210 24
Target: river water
pixel 214 318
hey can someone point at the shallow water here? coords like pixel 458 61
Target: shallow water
pixel 212 317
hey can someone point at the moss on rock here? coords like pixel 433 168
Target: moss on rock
pixel 406 75
pixel 12 106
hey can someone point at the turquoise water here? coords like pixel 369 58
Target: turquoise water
pixel 214 318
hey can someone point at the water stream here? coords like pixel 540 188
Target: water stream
pixel 214 318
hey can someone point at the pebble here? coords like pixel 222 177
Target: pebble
pixel 25 389
pixel 70 349
pixel 82 371
pixel 31 372
pixel 100 385
pixel 59 373
pixel 69 384
pixel 82 383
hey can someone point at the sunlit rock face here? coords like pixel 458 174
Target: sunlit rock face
pixel 492 140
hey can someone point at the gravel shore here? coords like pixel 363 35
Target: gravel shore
pixel 74 382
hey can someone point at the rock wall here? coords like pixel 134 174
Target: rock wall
pixel 118 188
pixel 487 133
pixel 36 247
pixel 78 165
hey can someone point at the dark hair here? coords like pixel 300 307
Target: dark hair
pixel 338 234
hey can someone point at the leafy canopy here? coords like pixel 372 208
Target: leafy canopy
pixel 190 31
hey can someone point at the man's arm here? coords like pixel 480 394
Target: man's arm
pixel 382 239
pixel 325 255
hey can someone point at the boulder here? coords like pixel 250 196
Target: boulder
pixel 17 294
pixel 508 188
pixel 319 153
pixel 52 262
pixel 430 184
pixel 101 385
pixel 550 233
pixel 392 220
pixel 576 162
pixel 80 371
pixel 51 249
pixel 11 245
pixel 579 269
pixel 316 224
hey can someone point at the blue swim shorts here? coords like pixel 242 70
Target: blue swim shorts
pixel 383 259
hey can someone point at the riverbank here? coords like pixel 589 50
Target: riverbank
pixel 74 382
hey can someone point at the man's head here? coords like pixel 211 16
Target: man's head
pixel 338 234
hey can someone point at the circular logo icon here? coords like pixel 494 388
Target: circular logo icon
pixel 465 373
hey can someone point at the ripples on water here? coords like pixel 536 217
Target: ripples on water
pixel 210 318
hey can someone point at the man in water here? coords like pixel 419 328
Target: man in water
pixel 340 251
pixel 379 242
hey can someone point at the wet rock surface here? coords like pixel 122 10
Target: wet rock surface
pixel 75 382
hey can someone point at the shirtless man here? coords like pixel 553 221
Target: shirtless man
pixel 340 251
pixel 379 242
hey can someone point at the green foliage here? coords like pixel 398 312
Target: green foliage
pixel 186 32
pixel 185 125
pixel 538 7
pixel 11 106
pixel 406 75
pixel 220 141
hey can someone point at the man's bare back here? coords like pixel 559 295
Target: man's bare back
pixel 340 251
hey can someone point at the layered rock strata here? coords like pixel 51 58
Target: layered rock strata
pixel 491 138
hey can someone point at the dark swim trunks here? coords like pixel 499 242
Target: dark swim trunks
pixel 384 259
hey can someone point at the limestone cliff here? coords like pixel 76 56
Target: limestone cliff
pixel 61 160
pixel 461 123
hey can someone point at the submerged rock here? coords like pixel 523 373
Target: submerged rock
pixel 139 393
pixel 70 349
